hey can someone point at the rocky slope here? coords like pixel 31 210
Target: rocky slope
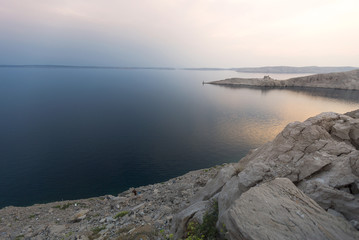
pixel 342 80
pixel 146 215
pixel 320 156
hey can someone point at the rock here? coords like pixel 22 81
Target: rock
pixel 354 187
pixel 215 185
pixel 181 220
pixel 335 213
pixel 355 224
pixel 302 151
pixel 56 229
pixel 353 114
pixel 80 215
pixel 319 155
pixel 279 210
pixel 81 237
pixel 329 197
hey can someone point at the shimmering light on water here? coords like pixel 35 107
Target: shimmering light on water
pixel 76 133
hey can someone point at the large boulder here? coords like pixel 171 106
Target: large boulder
pixel 319 155
pixel 309 151
pixel 279 210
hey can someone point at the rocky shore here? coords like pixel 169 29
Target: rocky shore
pixel 342 80
pixel 302 185
pixel 146 215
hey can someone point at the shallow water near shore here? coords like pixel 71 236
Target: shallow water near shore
pixel 78 133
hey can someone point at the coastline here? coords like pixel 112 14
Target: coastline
pixel 147 214
pixel 343 80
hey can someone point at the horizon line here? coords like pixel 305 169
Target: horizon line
pixel 164 68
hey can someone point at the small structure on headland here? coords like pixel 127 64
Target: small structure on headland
pixel 267 77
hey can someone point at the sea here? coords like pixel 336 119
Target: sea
pixel 71 133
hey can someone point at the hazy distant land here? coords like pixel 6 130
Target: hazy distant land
pixel 268 69
pixel 340 80
pixel 287 69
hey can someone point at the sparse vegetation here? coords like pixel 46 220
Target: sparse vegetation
pixel 95 231
pixel 19 237
pixel 32 216
pixel 207 230
pixel 62 207
pixel 120 214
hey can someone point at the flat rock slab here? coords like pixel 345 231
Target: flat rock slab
pixel 279 210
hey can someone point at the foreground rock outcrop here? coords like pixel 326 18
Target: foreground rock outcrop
pixel 320 156
pixel 341 80
pixel 279 210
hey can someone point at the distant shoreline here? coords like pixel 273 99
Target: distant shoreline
pixel 273 69
pixel 342 80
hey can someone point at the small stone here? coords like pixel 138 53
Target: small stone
pixel 56 229
pixel 355 224
pixel 110 219
pixel 80 215
pixel 147 218
pixel 82 237
pixel 109 226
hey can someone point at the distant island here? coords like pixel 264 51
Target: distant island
pixel 287 69
pixel 268 69
pixel 341 80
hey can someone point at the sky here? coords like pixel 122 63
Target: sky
pixel 180 33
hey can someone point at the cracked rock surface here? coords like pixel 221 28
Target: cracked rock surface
pixel 287 213
pixel 320 156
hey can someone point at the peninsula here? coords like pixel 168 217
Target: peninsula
pixel 341 80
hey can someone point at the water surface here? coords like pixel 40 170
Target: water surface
pixel 77 133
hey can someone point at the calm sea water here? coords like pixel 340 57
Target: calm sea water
pixel 77 133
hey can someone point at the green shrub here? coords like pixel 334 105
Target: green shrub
pixel 96 230
pixel 120 214
pixel 207 230
pixel 63 207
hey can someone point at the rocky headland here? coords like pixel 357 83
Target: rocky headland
pixel 339 80
pixel 302 185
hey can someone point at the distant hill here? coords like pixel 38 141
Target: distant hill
pixel 287 69
pixel 340 80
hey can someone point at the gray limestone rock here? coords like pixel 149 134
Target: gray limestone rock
pixel 215 185
pixel 320 155
pixel 279 210
pixel 56 229
pixel 329 197
pixel 182 218
pixel 78 216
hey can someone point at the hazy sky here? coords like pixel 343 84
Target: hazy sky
pixel 180 33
